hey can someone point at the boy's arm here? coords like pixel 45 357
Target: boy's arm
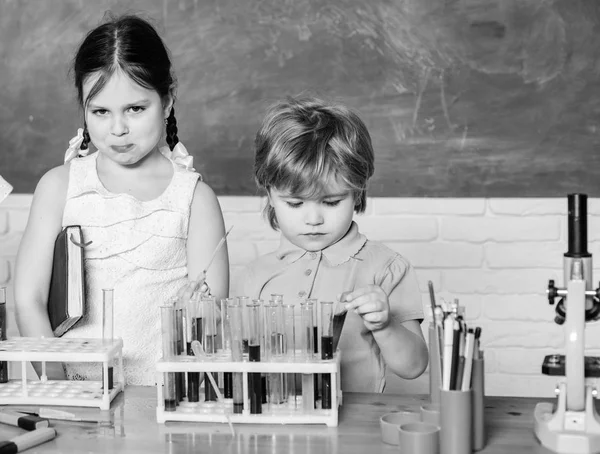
pixel 401 342
pixel 34 259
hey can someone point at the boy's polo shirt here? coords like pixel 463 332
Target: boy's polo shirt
pixel 298 274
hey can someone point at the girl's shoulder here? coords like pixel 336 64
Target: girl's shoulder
pixel 55 179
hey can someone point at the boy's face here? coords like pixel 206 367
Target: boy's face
pixel 125 120
pixel 316 223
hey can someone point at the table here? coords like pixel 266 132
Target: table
pixel 130 427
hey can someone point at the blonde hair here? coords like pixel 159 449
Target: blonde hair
pixel 304 143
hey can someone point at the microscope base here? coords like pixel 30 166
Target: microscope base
pixel 562 431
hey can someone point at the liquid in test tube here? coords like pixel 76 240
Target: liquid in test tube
pixel 289 347
pixel 326 350
pixel 274 350
pixel 107 328
pixel 307 343
pixel 237 353
pixel 194 323
pixel 209 331
pixel 243 302
pixel 315 306
pixel 226 343
pixel 180 338
pixel 254 378
pixel 3 364
pixel 169 349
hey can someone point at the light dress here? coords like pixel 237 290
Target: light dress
pixel 139 250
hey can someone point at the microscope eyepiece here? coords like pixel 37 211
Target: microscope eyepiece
pixel 577 225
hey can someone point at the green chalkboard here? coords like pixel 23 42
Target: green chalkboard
pixel 475 98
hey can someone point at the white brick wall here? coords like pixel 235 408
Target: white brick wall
pixel 494 255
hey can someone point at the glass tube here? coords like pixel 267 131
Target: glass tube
pixel 107 328
pixel 180 342
pixel 326 350
pixel 169 351
pixel 194 333
pixel 243 303
pixel 307 344
pixel 226 344
pixel 235 312
pixel 254 378
pixel 3 364
pixel 274 348
pixel 277 298
pixel 289 347
pixel 316 343
pixel 209 334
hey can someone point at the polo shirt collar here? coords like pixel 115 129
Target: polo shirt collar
pixel 336 254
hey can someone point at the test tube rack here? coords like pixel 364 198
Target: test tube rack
pixel 72 393
pixel 222 411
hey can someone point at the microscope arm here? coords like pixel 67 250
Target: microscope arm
pixel 575 340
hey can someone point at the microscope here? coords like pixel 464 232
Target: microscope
pixel 572 424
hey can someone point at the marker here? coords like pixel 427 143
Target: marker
pixel 477 352
pixel 455 347
pixel 27 440
pixel 448 337
pixel 27 422
pixel 469 350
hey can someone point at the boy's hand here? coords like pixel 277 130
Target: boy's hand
pixel 372 304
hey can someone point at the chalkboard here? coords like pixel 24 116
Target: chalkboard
pixel 475 98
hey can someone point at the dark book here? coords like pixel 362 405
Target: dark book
pixel 66 298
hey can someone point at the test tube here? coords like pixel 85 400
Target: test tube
pixel 3 364
pixel 209 334
pixel 326 350
pixel 180 342
pixel 289 347
pixel 307 343
pixel 169 350
pixel 274 349
pixel 315 306
pixel 235 312
pixel 277 298
pixel 243 302
pixel 194 332
pixel 254 378
pixel 107 328
pixel 226 343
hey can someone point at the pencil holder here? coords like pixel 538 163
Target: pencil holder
pixel 435 372
pixel 456 419
pixel 478 385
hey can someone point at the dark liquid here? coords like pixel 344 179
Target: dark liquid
pixel 238 408
pixel 263 387
pixel 179 376
pixel 338 324
pixel 110 377
pixel 245 346
pixel 315 337
pixel 228 385
pixel 3 364
pixel 193 390
pixel 326 391
pixel 326 347
pixel 326 353
pixel 255 382
pixel 170 405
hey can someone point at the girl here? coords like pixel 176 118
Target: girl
pixel 314 161
pixel 151 221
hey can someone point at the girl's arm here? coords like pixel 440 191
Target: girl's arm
pixel 206 229
pixel 34 259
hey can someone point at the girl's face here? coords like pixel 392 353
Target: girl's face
pixel 125 120
pixel 316 223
